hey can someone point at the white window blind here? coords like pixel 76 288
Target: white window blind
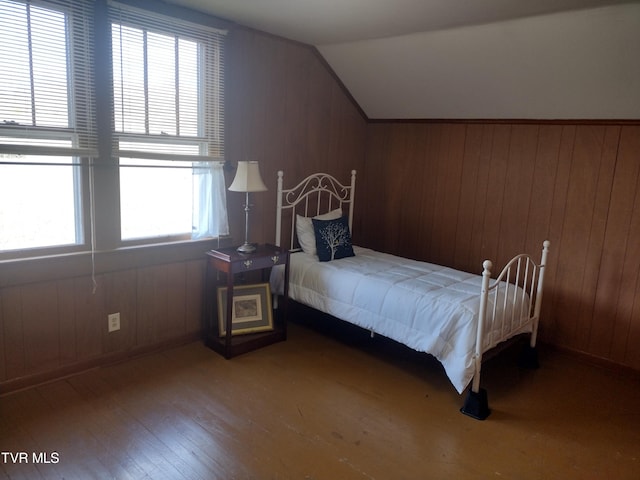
pixel 168 78
pixel 46 77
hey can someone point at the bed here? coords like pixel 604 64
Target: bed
pixel 455 316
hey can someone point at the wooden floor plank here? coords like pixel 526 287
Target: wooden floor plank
pixel 328 403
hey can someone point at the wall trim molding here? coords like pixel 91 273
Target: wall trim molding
pixel 599 362
pixel 55 267
pixel 508 121
pixel 30 381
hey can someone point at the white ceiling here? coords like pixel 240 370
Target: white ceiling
pixel 466 58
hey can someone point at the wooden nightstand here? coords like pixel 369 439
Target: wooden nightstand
pixel 233 265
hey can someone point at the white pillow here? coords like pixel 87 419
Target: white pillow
pixel 304 229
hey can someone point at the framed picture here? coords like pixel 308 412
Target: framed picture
pixel 250 312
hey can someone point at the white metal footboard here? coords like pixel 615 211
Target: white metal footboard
pixel 509 305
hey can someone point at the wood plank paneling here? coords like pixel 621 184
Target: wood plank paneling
pixel 621 260
pixel 518 187
pixel 295 102
pixel 542 185
pixel 14 342
pixel 427 209
pixel 558 211
pixel 90 318
pixel 194 301
pixel 370 192
pixel 67 320
pixel 583 231
pixel 415 184
pixel 3 358
pixel 497 165
pixel 176 297
pixel 395 201
pixel 40 326
pixel 447 194
pixel 593 266
pixel 151 313
pixel 479 208
pixel 470 176
pixel 509 187
pixel 632 339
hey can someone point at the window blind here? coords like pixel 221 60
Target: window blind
pixel 47 78
pixel 159 110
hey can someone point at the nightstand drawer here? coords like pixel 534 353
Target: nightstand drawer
pixel 231 261
pixel 256 263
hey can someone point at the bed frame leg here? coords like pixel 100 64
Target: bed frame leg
pixel 476 405
pixel 529 358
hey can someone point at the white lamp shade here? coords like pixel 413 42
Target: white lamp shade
pixel 248 178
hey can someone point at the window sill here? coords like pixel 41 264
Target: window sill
pixel 55 267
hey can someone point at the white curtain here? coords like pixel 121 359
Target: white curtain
pixel 209 200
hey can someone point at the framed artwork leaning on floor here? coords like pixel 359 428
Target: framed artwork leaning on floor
pixel 251 310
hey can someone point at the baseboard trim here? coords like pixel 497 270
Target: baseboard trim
pixel 610 365
pixel 30 381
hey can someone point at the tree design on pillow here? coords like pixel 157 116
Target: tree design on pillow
pixel 333 239
pixel 336 235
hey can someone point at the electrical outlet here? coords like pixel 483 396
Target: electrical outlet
pixel 113 321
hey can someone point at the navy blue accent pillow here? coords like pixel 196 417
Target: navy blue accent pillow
pixel 333 239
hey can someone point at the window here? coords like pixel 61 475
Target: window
pixel 168 104
pixel 39 206
pixel 46 125
pixel 164 137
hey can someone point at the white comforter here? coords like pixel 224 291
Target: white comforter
pixel 427 307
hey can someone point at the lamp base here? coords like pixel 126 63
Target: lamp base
pixel 246 248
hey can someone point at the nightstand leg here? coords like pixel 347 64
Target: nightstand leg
pixel 229 318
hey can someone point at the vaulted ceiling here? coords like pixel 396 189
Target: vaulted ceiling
pixel 466 59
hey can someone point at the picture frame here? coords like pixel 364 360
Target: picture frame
pixel 251 311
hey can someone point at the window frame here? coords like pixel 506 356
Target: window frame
pixel 78 131
pixel 98 176
pixel 210 134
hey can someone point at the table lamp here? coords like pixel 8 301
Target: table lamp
pixel 247 180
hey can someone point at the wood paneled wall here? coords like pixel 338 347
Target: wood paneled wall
pixel 285 109
pixel 61 325
pixel 293 115
pixel 458 193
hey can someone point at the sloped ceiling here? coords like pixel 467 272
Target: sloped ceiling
pixel 466 59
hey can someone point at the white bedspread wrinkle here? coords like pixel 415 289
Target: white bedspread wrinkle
pixel 430 308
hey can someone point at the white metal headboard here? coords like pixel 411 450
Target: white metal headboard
pixel 317 194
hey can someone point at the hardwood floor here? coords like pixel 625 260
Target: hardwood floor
pixel 320 406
